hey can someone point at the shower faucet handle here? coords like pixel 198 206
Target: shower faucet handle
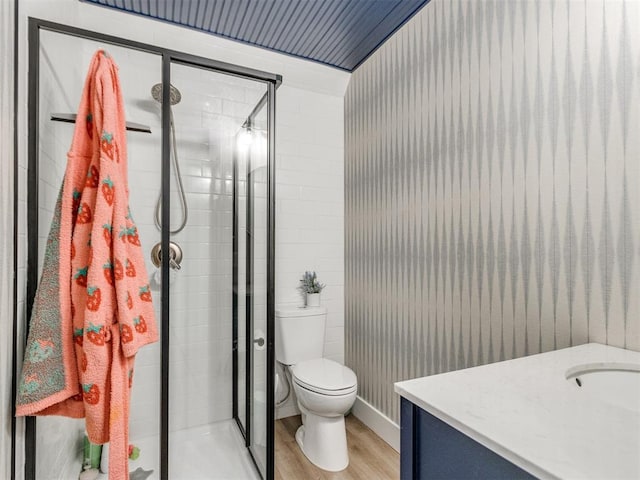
pixel 175 255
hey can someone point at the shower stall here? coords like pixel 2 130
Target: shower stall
pixel 201 178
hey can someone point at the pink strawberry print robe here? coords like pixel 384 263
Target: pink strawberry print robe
pixel 80 351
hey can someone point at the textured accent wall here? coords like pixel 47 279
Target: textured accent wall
pixel 492 199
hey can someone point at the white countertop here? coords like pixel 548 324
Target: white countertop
pixel 529 413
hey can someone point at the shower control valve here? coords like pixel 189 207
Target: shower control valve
pixel 175 255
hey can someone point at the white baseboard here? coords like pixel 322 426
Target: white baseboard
pixel 377 421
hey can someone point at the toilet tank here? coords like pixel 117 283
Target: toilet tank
pixel 299 334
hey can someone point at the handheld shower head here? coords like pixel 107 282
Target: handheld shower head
pixel 174 97
pixel 174 93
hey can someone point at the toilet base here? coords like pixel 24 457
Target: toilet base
pixel 323 440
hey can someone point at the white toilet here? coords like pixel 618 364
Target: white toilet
pixel 325 389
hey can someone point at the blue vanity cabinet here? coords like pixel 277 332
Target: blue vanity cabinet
pixel 432 449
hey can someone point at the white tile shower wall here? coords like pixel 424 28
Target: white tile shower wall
pixel 211 111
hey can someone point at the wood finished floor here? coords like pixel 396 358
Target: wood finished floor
pixel 370 457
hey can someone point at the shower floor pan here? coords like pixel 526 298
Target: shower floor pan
pixel 212 452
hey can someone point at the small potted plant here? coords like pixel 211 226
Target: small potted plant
pixel 310 287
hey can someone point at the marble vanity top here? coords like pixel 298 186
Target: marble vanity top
pixel 534 413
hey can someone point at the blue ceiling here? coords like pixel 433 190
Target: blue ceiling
pixel 339 33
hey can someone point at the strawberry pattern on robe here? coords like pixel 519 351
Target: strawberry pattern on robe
pixel 105 305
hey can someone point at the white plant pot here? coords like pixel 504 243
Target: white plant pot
pixel 313 299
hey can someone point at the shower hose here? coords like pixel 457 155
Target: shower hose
pixel 183 198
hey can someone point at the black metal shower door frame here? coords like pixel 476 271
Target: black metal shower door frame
pixel 168 57
pixel 250 236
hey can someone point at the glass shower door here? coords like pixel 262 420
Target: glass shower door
pixel 251 293
pixel 206 377
pixel 208 110
pixel 257 242
pixel 62 68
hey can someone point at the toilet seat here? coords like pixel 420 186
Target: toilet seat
pixel 329 393
pixel 325 377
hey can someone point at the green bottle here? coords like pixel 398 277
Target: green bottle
pixel 92 454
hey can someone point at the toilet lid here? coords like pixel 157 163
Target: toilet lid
pixel 322 374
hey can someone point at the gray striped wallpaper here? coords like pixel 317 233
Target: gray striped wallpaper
pixel 492 199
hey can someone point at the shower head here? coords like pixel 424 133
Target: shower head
pixel 174 93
